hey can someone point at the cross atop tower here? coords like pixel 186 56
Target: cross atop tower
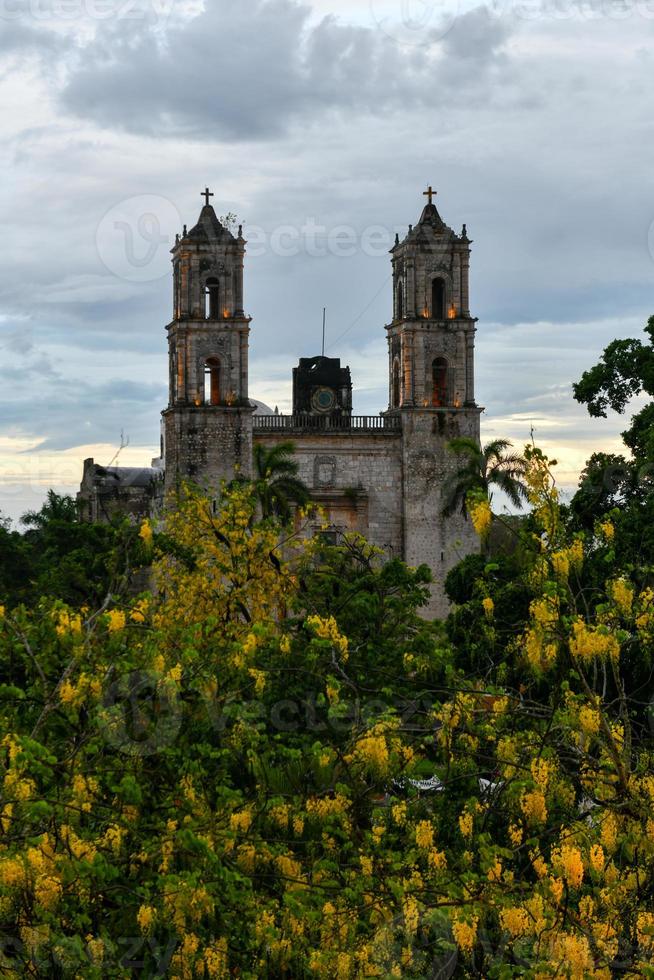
pixel 206 194
pixel 430 193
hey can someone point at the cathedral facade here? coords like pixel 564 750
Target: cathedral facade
pixel 382 476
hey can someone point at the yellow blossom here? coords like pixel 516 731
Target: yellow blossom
pixel 465 934
pixel 489 607
pixel 568 861
pixel 146 534
pixel 515 921
pixel 515 835
pixel 590 643
pixel 589 720
pixel 607 530
pixel 175 674
pixel 116 620
pixel 146 917
pixel 622 593
pixel 495 873
pixel 366 865
pixel 425 834
pixel 411 915
pixel 466 823
pixel 609 832
pixel 327 629
pixel 481 517
pixel 534 807
pixel 596 858
pixel 398 813
pixel 437 860
pixel 241 821
pixel 561 564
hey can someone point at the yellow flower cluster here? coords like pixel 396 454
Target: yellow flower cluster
pixel 12 872
pixel 542 771
pixel 489 607
pixel 411 915
pixel 372 751
pixel 515 834
pixel 589 643
pixel 466 824
pixel 215 959
pixel 73 695
pixel 607 531
pixel 241 821
pixel 545 612
pixel 140 611
pixel 589 719
pixel 645 619
pixel 568 861
pixel 539 653
pixel 146 534
pixel 622 593
pixel 571 956
pixel 327 629
pixel 425 834
pixel 116 620
pixel 515 921
pixel 596 858
pixel 324 807
pixel 481 516
pixel 495 872
pixel 465 933
pixel 398 813
pixel 534 807
pixel 67 623
pixel 146 918
pixel 84 790
pixel 645 931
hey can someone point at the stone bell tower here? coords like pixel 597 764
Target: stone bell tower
pixel 431 387
pixel 208 422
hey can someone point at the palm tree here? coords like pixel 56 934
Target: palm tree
pixel 277 484
pixel 483 467
pixel 55 508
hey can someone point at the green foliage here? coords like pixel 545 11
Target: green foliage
pixel 230 770
pixel 277 484
pixel 481 469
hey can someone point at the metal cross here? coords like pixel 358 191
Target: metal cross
pixel 206 194
pixel 430 193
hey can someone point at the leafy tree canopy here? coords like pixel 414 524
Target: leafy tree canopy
pixel 236 775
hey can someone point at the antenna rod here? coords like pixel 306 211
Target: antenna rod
pixel 324 321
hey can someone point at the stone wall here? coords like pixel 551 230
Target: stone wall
pixel 205 444
pixel 356 476
pixel 429 538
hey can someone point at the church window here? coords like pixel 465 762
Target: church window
pixel 212 299
pixel 438 299
pixel 439 382
pixel 212 381
pixel 396 384
pixel 400 301
pixel 178 294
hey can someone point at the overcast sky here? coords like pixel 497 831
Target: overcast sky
pixel 319 126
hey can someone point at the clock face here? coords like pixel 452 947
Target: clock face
pixel 323 400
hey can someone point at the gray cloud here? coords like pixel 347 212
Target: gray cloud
pixel 247 71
